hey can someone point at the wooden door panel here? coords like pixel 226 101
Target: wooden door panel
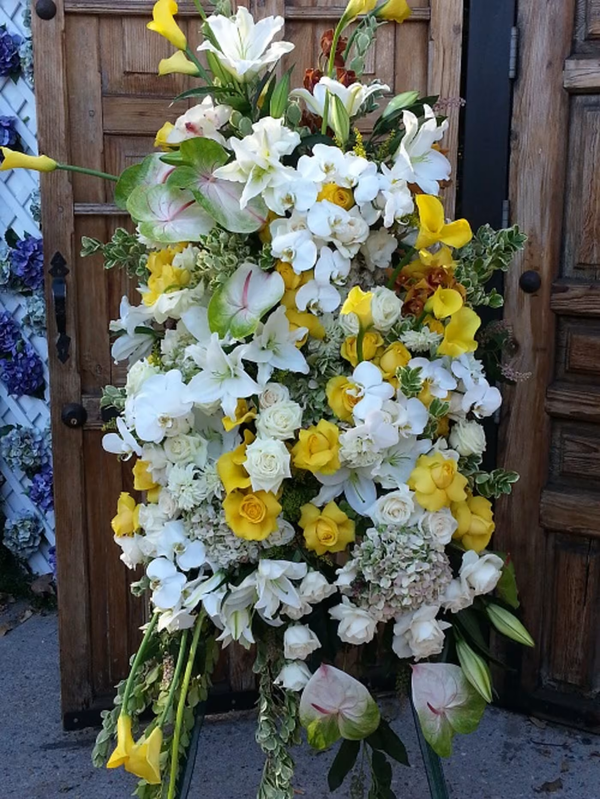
pixel 100 104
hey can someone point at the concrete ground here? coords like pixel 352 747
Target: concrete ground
pixel 509 757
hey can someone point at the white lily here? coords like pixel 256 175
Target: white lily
pixel 160 405
pixel 275 587
pixel 356 484
pixel 166 583
pixel 274 347
pixel 245 47
pixel 234 616
pixel 399 461
pixel 353 97
pixel 258 158
pixel 223 378
pixel 122 443
pixel 416 160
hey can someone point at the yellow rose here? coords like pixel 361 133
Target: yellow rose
pixel 143 481
pixel 433 227
pixel 342 396
pixel 163 22
pixel 437 482
pixel 444 302
pixel 372 346
pixel 317 449
pixel 327 529
pixel 359 302
pixel 305 319
pixel 394 11
pixel 252 515
pixel 126 522
pixel 475 522
pixel 230 466
pixel 395 357
pixel 144 758
pixel 125 742
pixel 177 64
pixel 14 160
pixel 459 334
pixel 337 195
pixel 243 413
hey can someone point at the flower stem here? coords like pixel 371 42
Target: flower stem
pixel 359 344
pixel 330 67
pixel 176 676
pixel 407 256
pixel 185 684
pixel 85 171
pixel 201 71
pixel 201 11
pixel 137 661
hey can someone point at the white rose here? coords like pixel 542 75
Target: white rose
pixel 457 596
pixel 356 625
pixel 280 420
pixel 378 250
pixel 315 588
pixel 186 449
pixel 468 438
pixel 481 573
pixel 154 454
pixel 386 308
pixel 349 323
pixel 152 517
pixel 137 376
pixel 441 524
pixel 299 642
pixel 268 464
pixel 167 503
pixel 272 394
pixel 179 426
pixel 208 408
pixel 293 676
pixel 132 554
pixel 419 634
pixel 295 614
pixel 394 508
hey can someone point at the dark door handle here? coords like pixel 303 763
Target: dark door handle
pixel 530 281
pixel 73 415
pixel 59 272
pixel 45 9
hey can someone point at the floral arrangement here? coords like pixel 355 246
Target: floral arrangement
pixel 303 408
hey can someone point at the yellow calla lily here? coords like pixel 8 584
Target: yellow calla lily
pixel 444 302
pixel 230 466
pixel 162 136
pixel 15 160
pixel 433 227
pixel 394 11
pixel 126 522
pixel 357 7
pixel 144 758
pixel 242 414
pixel 143 481
pixel 163 22
pixel 177 64
pixel 459 335
pixel 124 742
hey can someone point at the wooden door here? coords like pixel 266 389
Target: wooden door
pixel 100 104
pixel 551 427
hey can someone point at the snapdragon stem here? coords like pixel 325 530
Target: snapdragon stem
pixel 185 684
pixel 201 71
pixel 136 662
pixel 85 171
pixel 408 255
pixel 176 676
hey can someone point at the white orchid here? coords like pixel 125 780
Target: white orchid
pixel 319 294
pixel 131 344
pixel 356 484
pixel 166 583
pixel 274 347
pixel 160 406
pixel 438 379
pixel 173 543
pixel 258 158
pixel 378 250
pixel 122 443
pixel 295 194
pixel 223 378
pixel 295 247
pixel 205 120
pixel 364 445
pixel 416 160
pixel 411 417
pixel 346 229
pixel 353 97
pixel 245 47
pixel 370 388
pixel 482 399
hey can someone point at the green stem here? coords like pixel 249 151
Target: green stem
pixel 137 661
pixel 201 11
pixel 353 37
pixel 85 171
pixel 185 684
pixel 325 114
pixel 330 66
pixel 201 71
pixel 359 343
pixel 176 676
pixel 409 254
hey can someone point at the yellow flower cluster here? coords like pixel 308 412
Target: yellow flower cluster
pixel 164 277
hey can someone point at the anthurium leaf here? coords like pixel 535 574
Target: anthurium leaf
pixel 343 763
pixel 220 198
pixel 507 584
pixel 446 703
pixel 239 304
pixel 331 694
pixel 385 739
pixel 168 215
pixel 150 172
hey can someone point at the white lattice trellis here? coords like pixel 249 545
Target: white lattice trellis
pixel 17 189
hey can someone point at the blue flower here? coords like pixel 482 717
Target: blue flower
pixel 27 262
pixel 10 335
pixel 8 132
pixel 22 535
pixel 40 490
pixel 10 60
pixel 22 371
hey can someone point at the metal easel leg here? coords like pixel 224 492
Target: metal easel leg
pixel 190 761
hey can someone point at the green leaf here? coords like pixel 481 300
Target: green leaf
pixel 385 739
pixel 219 198
pixel 150 172
pixel 507 584
pixel 280 96
pixel 168 215
pixel 343 763
pixel 339 118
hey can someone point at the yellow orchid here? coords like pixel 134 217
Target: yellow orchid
pixel 433 227
pixel 338 195
pixel 230 466
pixel 441 259
pixel 14 160
pixel 177 64
pixel 126 522
pixel 359 303
pixel 163 22
pixel 444 302
pixel 342 396
pixel 144 758
pixel 317 449
pixel 437 482
pixel 475 522
pixel 243 413
pixel 459 334
pixel 252 515
pixel 372 345
pixel 124 742
pixel 143 480
pixel 326 530
pixel 394 11
pixel 162 136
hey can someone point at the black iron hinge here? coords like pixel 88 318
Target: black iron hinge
pixel 513 58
